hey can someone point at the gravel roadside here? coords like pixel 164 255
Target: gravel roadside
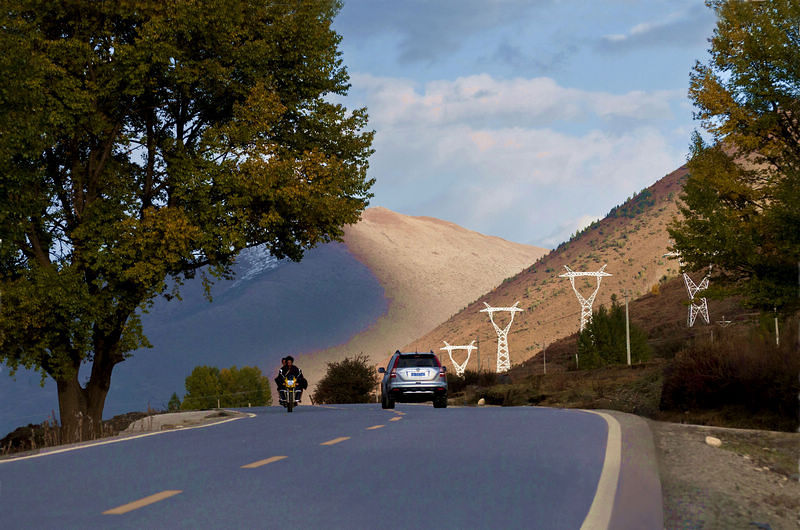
pixel 749 482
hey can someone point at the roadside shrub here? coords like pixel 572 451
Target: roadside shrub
pixel 511 395
pixel 749 372
pixel 456 383
pixel 348 381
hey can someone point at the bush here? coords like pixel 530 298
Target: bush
pixel 602 342
pixel 348 381
pixel 457 383
pixel 748 372
pixel 208 387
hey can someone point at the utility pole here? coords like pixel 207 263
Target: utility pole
pixel 627 329
pixel 777 333
pixel 544 353
pixel 479 353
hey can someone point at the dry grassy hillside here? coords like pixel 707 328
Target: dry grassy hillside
pixel 429 268
pixel 631 241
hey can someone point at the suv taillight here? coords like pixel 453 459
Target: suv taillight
pixel 441 368
pixel 393 373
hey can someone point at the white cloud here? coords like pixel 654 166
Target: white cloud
pixel 515 157
pixel 484 100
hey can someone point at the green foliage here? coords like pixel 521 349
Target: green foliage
pixel 634 206
pixel 233 387
pixel 352 380
pixel 602 342
pixel 741 203
pixel 243 387
pixel 174 403
pixel 151 142
pixel 203 388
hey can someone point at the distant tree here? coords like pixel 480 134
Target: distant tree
pixel 203 388
pixel 142 143
pixel 174 403
pixel 602 342
pixel 243 387
pixel 741 202
pixel 208 386
pixel 352 380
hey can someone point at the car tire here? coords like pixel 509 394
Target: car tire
pixel 389 403
pixel 440 402
pixel 384 402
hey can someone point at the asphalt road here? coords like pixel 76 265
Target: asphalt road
pixel 344 466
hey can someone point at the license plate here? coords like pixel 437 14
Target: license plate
pixel 418 374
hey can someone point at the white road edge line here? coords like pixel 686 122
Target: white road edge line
pixel 117 440
pixel 599 516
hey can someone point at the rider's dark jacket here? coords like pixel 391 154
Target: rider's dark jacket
pixel 288 372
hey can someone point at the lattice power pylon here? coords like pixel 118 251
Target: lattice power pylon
pixel 463 366
pixel 702 307
pixel 692 288
pixel 586 303
pixel 503 360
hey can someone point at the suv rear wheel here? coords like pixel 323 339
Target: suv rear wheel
pixel 440 402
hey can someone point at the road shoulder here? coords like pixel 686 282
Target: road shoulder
pixel 639 501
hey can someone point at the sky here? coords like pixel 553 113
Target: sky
pixel 523 119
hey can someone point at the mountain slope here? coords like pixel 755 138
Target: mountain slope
pixel 630 241
pixel 429 268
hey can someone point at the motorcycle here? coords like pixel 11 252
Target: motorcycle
pixel 290 394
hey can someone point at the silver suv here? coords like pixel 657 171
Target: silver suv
pixel 413 377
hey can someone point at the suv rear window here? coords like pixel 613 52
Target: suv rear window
pixel 409 361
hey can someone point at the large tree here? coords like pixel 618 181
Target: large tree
pixel 144 142
pixel 741 209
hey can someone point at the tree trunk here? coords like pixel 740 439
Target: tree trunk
pixel 72 409
pixel 81 409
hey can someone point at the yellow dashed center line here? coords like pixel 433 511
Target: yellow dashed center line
pixel 335 440
pixel 396 418
pixel 400 413
pixel 135 505
pixel 264 462
pixel 375 427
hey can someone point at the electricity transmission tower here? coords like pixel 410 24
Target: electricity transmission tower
pixel 692 288
pixel 586 303
pixel 463 366
pixel 702 307
pixel 503 360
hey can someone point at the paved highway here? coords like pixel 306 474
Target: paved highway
pixel 343 466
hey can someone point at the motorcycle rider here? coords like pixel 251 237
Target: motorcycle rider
pixel 287 371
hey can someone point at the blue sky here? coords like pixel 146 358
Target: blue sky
pixel 524 119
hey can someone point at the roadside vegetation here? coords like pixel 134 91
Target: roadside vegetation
pixel 352 380
pixel 737 378
pixel 603 341
pixel 208 387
